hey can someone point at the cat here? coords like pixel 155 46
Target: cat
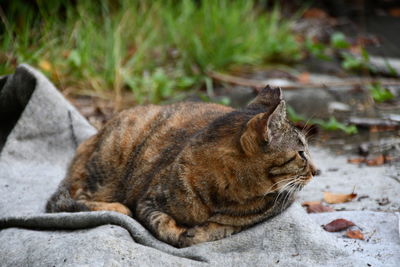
pixel 191 172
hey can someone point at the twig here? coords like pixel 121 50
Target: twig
pixel 373 121
pixel 258 84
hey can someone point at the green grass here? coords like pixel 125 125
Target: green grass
pixel 156 49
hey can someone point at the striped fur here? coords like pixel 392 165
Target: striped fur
pixel 190 172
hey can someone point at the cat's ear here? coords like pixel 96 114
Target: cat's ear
pixel 254 133
pixel 264 128
pixel 276 123
pixel 268 98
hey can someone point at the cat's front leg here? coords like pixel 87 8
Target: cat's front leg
pixel 163 226
pixel 208 232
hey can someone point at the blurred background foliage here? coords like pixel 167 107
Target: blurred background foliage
pixel 156 49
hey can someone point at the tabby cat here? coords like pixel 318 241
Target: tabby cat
pixel 190 172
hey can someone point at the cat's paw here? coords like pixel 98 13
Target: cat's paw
pixel 118 207
pixel 204 233
pixel 113 206
pixel 193 236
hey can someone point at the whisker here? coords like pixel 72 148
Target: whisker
pixel 293 189
pixel 287 197
pixel 308 131
pixel 277 183
pixel 309 119
pixel 283 189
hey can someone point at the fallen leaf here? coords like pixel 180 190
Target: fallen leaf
pixel 376 161
pixel 355 234
pixel 394 12
pixel 338 198
pixel 382 128
pixel 389 158
pixel 356 160
pixel 45 65
pixel 355 49
pixel 303 77
pixel 316 207
pixel 315 13
pixel 338 225
pixel 370 40
pixel 308 203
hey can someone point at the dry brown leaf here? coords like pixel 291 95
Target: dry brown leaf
pixel 382 128
pixel 45 65
pixel 303 77
pixel 355 234
pixel 389 158
pixel 338 225
pixel 316 207
pixel 394 12
pixel 315 13
pixel 356 160
pixel 308 203
pixel 338 198
pixel 377 161
pixel 355 49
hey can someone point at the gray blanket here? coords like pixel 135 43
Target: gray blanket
pixel 39 132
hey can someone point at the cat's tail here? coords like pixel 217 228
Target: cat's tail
pixel 61 201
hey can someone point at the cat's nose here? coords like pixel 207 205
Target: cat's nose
pixel 314 170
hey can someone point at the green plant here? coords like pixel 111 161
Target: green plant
pixel 317 49
pixel 156 49
pixel 392 71
pixel 333 125
pixel 379 93
pixel 294 116
pixel 329 125
pixel 322 51
pixel 338 41
pixel 357 63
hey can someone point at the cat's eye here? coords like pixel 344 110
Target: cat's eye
pixel 301 153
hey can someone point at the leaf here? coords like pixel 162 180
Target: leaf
pixel 379 93
pixel 316 207
pixel 355 234
pixel 75 59
pixel 307 203
pixel 45 65
pixel 315 13
pixel 304 77
pixel 338 41
pixel 338 225
pixel 224 101
pixel 338 198
pixel 317 49
pixel 376 161
pixel 356 160
pixel 293 116
pixel 332 125
pixel 364 54
pixel 394 12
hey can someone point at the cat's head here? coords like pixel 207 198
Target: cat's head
pixel 270 141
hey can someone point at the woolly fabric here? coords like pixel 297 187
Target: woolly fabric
pixel 40 131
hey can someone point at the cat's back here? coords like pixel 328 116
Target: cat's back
pixel 163 122
pixel 142 138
